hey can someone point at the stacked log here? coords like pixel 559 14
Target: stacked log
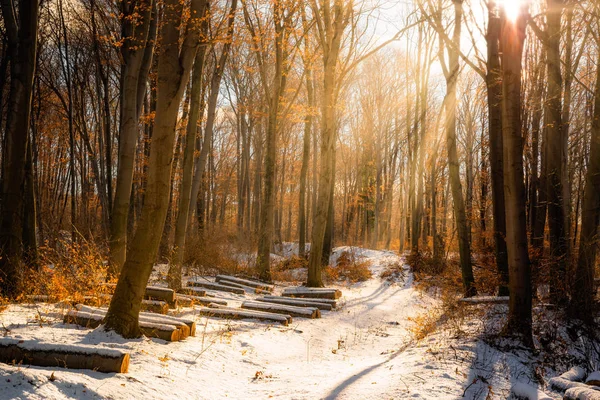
pixel 168 332
pixel 236 313
pixel 189 301
pixel 296 302
pixel 313 293
pixel 333 303
pixel 192 291
pixel 294 311
pixel 485 300
pixel 216 286
pixel 263 287
pixel 31 352
pixel 162 294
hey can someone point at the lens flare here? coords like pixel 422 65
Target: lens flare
pixel 512 8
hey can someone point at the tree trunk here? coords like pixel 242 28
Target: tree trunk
pixel 136 35
pixel 174 274
pixel 21 31
pixel 174 67
pixel 583 293
pixel 555 161
pixel 460 214
pixel 494 93
pixel 519 314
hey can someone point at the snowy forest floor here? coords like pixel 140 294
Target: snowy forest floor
pixel 367 349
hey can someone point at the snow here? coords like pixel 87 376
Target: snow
pixel 529 392
pixel 35 345
pixel 362 350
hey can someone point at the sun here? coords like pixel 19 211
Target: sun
pixel 512 8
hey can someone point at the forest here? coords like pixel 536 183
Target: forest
pixel 408 180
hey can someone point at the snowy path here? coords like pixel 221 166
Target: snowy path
pixel 361 351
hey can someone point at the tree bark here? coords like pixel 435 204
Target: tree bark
pixel 174 67
pixel 512 38
pixel 21 30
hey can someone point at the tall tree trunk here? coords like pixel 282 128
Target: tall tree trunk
pixel 582 292
pixel 494 93
pixel 460 214
pixel 136 36
pixel 519 315
pixel 174 67
pixel 332 27
pixel 21 30
pixel 556 150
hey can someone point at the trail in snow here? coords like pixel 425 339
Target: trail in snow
pixel 361 351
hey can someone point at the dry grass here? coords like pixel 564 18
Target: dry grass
pixel 292 269
pixel 68 271
pixel 348 268
pixel 216 252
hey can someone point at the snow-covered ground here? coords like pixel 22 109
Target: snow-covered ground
pixel 364 350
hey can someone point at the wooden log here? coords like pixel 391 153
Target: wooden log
pixel 216 286
pixel 570 379
pixel 192 291
pixel 484 300
pixel 168 332
pixel 247 282
pixel 296 302
pixel 187 326
pixel 528 392
pixel 582 393
pixel 314 293
pixel 593 378
pixel 213 305
pixel 230 313
pixel 191 300
pixel 155 306
pixel 32 352
pixel 244 287
pixel 294 311
pixel 161 294
pixel 333 303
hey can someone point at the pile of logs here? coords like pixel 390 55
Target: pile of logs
pixel 294 311
pixel 31 352
pixel 313 293
pixel 321 304
pixel 163 327
pixel 577 384
pixel 216 286
pixel 216 310
pixel 250 285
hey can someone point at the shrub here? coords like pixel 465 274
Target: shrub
pixel 348 268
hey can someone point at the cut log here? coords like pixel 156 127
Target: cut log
pixel 570 379
pixel 314 293
pixel 213 305
pixel 485 300
pixel 168 332
pixel 192 291
pixel 189 301
pixel 161 294
pixel 216 286
pixel 231 313
pixel 31 352
pixel 187 326
pixel 294 311
pixel 246 282
pixel 593 378
pixel 333 303
pixel 296 302
pixel 528 392
pixel 155 306
pixel 582 393
pixel 244 287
